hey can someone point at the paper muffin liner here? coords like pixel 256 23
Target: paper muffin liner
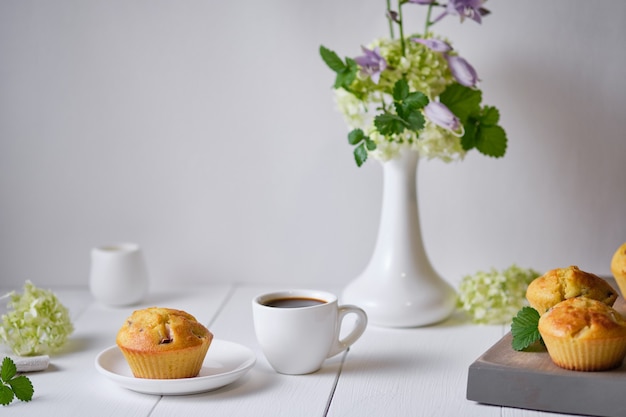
pixel 586 355
pixel 173 364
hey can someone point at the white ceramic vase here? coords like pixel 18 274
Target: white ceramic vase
pixel 399 287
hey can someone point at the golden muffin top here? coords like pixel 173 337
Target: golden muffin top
pixel 582 318
pixel 158 329
pixel 618 262
pixel 564 283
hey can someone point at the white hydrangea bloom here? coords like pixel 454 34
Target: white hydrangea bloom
pixel 495 297
pixel 385 149
pixel 437 142
pixel 352 109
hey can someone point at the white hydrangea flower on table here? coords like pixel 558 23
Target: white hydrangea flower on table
pixel 495 297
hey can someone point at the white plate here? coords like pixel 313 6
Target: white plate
pixel 224 363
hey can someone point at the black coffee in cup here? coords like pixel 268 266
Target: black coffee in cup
pixel 293 302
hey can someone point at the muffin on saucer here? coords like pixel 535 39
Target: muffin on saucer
pixel 582 334
pixel 564 283
pixel 163 343
pixel 618 268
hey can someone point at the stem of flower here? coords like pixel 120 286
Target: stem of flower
pixel 390 19
pixel 428 23
pixel 382 102
pixel 400 24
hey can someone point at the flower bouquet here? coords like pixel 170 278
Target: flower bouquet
pixel 404 98
pixel 416 91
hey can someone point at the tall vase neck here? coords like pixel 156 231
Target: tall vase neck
pixel 399 233
pixel 406 160
pixel 400 181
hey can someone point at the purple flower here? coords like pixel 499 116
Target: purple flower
pixel 465 8
pixel 371 63
pixel 434 44
pixel 462 71
pixel 393 16
pixel 440 114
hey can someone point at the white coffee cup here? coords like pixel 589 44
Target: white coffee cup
pixel 118 275
pixel 297 338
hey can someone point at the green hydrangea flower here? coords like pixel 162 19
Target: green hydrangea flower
pixel 495 297
pixel 38 323
pixel 426 71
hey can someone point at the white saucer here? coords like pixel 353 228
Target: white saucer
pixel 224 363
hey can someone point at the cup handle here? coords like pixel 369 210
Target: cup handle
pixel 359 327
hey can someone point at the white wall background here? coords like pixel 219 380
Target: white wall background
pixel 206 132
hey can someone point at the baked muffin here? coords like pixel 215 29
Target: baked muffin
pixel 163 343
pixel 563 283
pixel 582 334
pixel 618 268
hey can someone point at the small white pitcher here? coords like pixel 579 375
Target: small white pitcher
pixel 118 274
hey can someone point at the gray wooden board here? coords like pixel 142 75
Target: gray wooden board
pixel 530 380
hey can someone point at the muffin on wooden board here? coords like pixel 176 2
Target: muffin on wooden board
pixel 563 283
pixel 618 268
pixel 582 334
pixel 163 343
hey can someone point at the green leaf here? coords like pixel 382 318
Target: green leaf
pixel 355 136
pixel 342 79
pixel 370 144
pixel 389 124
pixel 491 141
pixel 416 100
pixel 468 140
pixel 332 59
pixel 22 387
pixel 490 116
pixel 360 154
pixel 12 386
pixel 8 369
pixel 6 395
pixel 524 328
pixel 462 101
pixel 415 120
pixel 347 74
pixel 410 105
pixel 400 90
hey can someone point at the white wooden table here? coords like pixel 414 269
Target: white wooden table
pixel 388 372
